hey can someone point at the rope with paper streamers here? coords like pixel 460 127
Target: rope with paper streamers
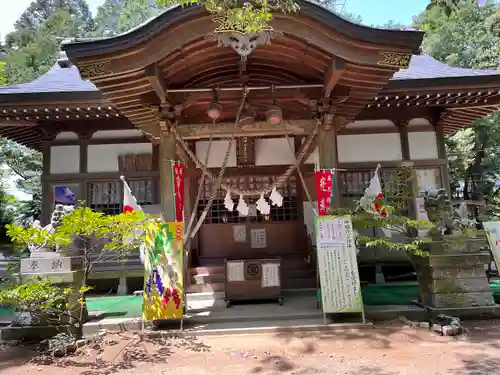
pixel 280 181
pixel 218 181
pixel 299 172
pixel 200 189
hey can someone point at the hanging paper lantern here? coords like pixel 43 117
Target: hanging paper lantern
pixel 274 116
pixel 214 110
pixel 247 116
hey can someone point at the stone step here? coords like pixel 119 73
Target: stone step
pixel 207 270
pixel 208 279
pixel 300 283
pixel 289 272
pixel 205 288
pixel 292 261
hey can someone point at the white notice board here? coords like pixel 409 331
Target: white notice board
pixel 338 265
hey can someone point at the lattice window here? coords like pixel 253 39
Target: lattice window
pixel 396 185
pixel 107 196
pixel 353 184
pixel 428 179
pixel 219 214
pixel 142 191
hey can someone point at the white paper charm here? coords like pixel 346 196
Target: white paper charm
pixel 228 201
pixel 242 207
pixel 262 205
pixel 276 198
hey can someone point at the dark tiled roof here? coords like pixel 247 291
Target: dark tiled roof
pixel 59 79
pixel 425 67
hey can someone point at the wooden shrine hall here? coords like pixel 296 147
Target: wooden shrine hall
pixel 312 91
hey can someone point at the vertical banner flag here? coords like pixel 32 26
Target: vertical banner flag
pixel 179 170
pixel 130 205
pixel 338 265
pixel 324 190
pixel 163 284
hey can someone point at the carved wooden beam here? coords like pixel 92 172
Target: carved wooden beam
pixel 258 128
pixel 332 75
pixel 153 74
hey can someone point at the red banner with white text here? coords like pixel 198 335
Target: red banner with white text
pixel 324 191
pixel 179 191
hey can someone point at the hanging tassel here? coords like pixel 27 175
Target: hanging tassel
pixel 242 207
pixel 262 205
pixel 228 201
pixel 276 198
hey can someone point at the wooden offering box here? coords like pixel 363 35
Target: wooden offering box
pixel 253 279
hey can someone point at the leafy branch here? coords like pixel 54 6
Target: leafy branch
pixel 244 16
pixel 405 227
pixel 96 237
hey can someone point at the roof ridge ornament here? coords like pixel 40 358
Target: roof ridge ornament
pixel 63 61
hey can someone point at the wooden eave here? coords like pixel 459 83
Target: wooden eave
pixel 456 102
pixel 29 122
pixel 33 117
pixel 177 48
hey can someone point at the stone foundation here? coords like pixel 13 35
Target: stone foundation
pixel 454 275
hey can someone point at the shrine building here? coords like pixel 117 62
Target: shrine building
pixel 317 89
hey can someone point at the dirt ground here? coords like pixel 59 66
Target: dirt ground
pixel 386 349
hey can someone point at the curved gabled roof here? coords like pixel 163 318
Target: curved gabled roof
pixel 175 14
pixel 60 80
pixel 57 79
pixel 425 67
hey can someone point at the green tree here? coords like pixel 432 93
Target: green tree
pixel 96 236
pixel 3 80
pixel 39 12
pixel 447 6
pixel 115 17
pixel 34 44
pixel 464 38
pixel 25 167
pixel 7 212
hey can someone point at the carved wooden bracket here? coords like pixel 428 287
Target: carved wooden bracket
pixel 395 59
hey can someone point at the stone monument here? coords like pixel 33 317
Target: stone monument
pixel 453 276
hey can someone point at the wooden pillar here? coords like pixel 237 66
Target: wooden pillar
pixel 327 154
pixel 445 176
pixel 406 157
pixel 167 154
pixel 46 185
pixel 84 146
pixel 405 143
pixel 155 188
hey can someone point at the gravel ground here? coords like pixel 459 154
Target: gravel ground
pixel 387 349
